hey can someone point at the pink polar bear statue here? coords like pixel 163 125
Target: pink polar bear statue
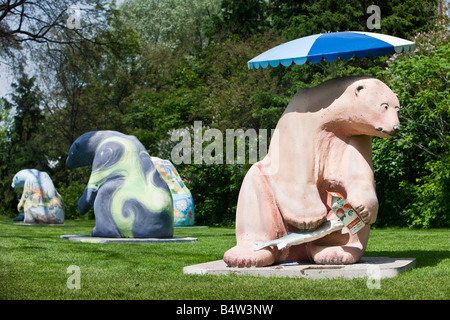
pixel 322 142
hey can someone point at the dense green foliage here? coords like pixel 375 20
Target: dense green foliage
pixel 413 171
pixel 161 65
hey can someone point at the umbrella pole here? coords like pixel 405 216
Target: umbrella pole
pixel 333 68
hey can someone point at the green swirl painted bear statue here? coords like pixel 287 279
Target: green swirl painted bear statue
pixel 129 197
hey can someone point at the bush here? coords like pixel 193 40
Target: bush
pixel 70 195
pixel 413 170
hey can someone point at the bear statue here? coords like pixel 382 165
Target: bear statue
pixel 129 197
pixel 40 201
pixel 322 142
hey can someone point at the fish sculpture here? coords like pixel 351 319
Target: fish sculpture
pixel 299 237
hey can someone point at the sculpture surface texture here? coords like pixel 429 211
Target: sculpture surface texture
pixel 322 142
pixel 40 201
pixel 129 197
pixel 183 203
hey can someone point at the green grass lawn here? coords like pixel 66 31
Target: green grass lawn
pixel 34 262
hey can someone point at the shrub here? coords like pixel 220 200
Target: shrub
pixel 413 169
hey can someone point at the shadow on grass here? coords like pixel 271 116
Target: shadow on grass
pixel 17 237
pixel 423 258
pixel 214 235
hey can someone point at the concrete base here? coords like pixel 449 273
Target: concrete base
pixel 374 267
pixel 85 238
pixel 43 224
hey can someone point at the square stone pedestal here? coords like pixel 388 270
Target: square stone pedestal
pixel 375 267
pixel 85 238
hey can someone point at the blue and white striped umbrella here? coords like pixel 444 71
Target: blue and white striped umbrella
pixel 329 46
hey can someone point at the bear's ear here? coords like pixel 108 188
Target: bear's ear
pixel 359 88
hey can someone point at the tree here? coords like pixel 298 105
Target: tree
pixel 43 21
pixel 22 145
pixel 170 24
pixel 398 18
pixel 413 170
pixel 83 87
pixel 244 18
pixel 26 133
pixel 28 27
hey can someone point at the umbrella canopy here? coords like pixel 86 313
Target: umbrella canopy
pixel 329 46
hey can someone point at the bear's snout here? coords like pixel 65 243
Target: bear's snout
pixel 396 129
pixel 393 132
